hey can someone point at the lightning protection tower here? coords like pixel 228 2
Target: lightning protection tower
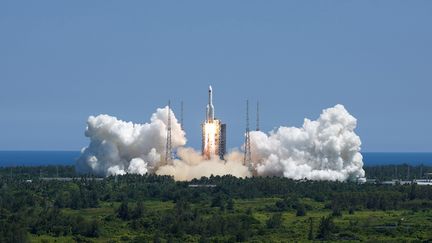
pixel 247 161
pixel 181 115
pixel 257 116
pixel 168 148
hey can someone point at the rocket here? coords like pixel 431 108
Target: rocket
pixel 210 108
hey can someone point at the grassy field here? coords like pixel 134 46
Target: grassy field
pixel 362 225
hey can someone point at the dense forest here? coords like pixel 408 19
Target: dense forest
pixel 154 208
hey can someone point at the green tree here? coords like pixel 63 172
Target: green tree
pixel 123 211
pixel 93 229
pixel 310 235
pixel 230 204
pixel 326 228
pixel 138 211
pixel 413 191
pixel 275 221
pixel 301 210
pixel 217 201
pixel 336 212
pixel 156 238
pixel 203 239
pixel 249 211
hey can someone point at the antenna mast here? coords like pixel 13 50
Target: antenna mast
pixel 181 115
pixel 247 152
pixel 168 149
pixel 257 116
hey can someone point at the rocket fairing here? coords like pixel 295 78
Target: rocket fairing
pixel 210 107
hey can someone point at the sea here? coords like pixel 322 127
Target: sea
pixel 35 158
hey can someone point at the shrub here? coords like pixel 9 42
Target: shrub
pixel 275 221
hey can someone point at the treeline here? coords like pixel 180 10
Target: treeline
pixel 32 172
pixel 86 192
pixel 401 172
pixel 412 197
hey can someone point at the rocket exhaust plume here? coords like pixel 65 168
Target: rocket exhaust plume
pixel 324 149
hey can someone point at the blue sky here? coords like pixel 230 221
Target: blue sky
pixel 61 61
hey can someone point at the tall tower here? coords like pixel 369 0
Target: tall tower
pixel 247 161
pixel 168 148
pixel 257 116
pixel 181 115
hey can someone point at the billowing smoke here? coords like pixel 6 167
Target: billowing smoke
pixel 192 165
pixel 118 147
pixel 325 149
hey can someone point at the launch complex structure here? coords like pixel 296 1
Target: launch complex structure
pixel 213 139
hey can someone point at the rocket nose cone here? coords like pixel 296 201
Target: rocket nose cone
pixel 210 88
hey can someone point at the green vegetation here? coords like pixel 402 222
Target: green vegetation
pixel 401 171
pixel 151 208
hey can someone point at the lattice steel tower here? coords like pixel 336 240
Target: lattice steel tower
pixel 257 117
pixel 247 152
pixel 168 148
pixel 181 115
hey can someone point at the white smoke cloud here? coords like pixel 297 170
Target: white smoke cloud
pixel 325 149
pixel 118 147
pixel 192 165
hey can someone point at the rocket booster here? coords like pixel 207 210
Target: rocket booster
pixel 210 108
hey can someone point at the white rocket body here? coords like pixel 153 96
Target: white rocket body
pixel 210 107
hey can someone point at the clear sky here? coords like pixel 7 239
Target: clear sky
pixel 61 61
